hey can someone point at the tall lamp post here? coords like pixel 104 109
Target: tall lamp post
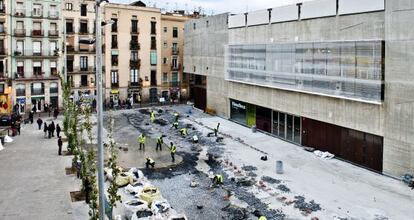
pixel 98 45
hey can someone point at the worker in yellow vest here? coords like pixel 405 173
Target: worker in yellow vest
pixel 160 142
pixel 218 179
pixel 173 149
pixel 183 132
pixel 152 116
pixel 262 217
pixel 150 162
pixel 175 125
pixel 141 140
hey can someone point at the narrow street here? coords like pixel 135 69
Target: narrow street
pixel 33 184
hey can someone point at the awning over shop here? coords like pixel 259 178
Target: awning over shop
pixel 114 91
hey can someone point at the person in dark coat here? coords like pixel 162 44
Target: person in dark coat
pixel 56 113
pixel 39 123
pixel 31 115
pixel 52 129
pixel 58 130
pixel 45 128
pixel 60 144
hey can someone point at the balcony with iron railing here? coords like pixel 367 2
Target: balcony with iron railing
pixel 83 31
pixel 37 14
pixel 176 67
pixel 114 84
pixel 53 15
pixel 37 33
pixel 2 8
pixel 134 30
pixel 53 33
pixel 134 84
pixel 134 45
pixel 3 51
pixel 83 70
pixel 135 63
pixel 83 83
pixel 36 53
pixel 175 51
pixel 19 32
pixel 19 12
pixel 114 45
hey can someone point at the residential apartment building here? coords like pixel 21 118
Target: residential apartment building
pixel 79 24
pixel 35 42
pixel 5 82
pixel 332 75
pixel 173 82
pixel 133 52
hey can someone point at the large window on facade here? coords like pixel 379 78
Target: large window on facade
pixel 114 78
pixel 20 90
pixel 84 9
pixel 84 63
pixel 134 77
pixel 175 32
pixel 350 69
pixel 37 68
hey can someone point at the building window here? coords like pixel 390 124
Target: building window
pixel 20 90
pixel 84 80
pixel 153 78
pixel 153 27
pixel 174 61
pixel 84 9
pixel 134 76
pixel 153 58
pixel 175 32
pixel 153 43
pixel 69 26
pixel 20 69
pixel 38 89
pixel 164 77
pixel 134 55
pixel 83 29
pixel 164 60
pixel 52 11
pixel 20 9
pixel 53 68
pixel 114 59
pixel 37 29
pixel 53 48
pixel 53 88
pixel 114 27
pixel 114 77
pixel 175 47
pixel 37 10
pixel 19 47
pixel 37 48
pixel 84 63
pixel 69 6
pixel 114 42
pixel 37 68
pixel 134 26
pixel 165 44
pixel 165 29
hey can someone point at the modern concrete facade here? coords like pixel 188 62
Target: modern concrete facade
pixel 79 22
pixel 384 126
pixel 35 47
pixel 174 83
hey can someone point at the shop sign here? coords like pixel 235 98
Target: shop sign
pixel 114 91
pixel 238 105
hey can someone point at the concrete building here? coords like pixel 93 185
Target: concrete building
pixel 79 21
pixel 35 46
pixel 332 75
pixel 174 83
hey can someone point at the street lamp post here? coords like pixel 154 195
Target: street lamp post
pixel 98 80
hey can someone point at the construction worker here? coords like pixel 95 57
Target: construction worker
pixel 176 115
pixel 160 141
pixel 183 132
pixel 216 129
pixel 262 217
pixel 175 125
pixel 150 162
pixel 218 179
pixel 173 149
pixel 152 116
pixel 141 140
pixel 195 139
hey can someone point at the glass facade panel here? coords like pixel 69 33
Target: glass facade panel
pixel 282 125
pixel 275 130
pixel 350 69
pixel 297 130
pixel 238 111
pixel 289 127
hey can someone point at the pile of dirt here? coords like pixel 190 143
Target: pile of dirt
pixel 249 168
pixel 270 180
pixel 308 207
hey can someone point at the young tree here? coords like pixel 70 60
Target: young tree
pixel 113 195
pixel 91 184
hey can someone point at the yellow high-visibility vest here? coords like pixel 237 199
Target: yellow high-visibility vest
pixel 219 178
pixel 262 218
pixel 173 149
pixel 141 139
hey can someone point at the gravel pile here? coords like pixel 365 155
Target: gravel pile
pixel 306 206
pixel 270 180
pixel 249 168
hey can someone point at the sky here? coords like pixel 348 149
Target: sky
pixel 214 6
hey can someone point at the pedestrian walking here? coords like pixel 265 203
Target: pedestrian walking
pixel 58 130
pixel 39 123
pixel 216 129
pixel 60 144
pixel 31 115
pixel 52 129
pixel 160 141
pixel 45 128
pixel 141 140
pixel 56 113
pixel 173 149
pixel 18 124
